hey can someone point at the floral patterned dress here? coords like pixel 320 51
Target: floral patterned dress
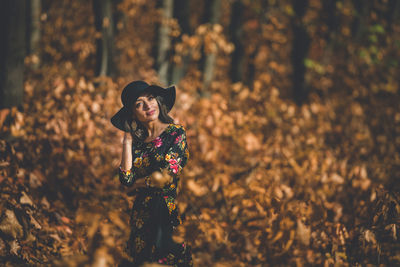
pixel 154 213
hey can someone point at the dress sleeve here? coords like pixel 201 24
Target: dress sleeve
pixel 128 177
pixel 178 154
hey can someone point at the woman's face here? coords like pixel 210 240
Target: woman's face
pixel 146 108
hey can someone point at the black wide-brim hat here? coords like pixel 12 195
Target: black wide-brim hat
pixel 132 91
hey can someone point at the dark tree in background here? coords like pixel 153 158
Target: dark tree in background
pixel 329 17
pixel 12 52
pixel 301 43
pixel 164 43
pixel 236 32
pixel 393 12
pixel 362 9
pixel 254 49
pixel 211 15
pixel 182 15
pixel 103 11
pixel 33 30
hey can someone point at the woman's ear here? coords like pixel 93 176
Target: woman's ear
pixel 127 126
pixel 133 124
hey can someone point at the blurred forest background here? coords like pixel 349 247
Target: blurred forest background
pixel 291 110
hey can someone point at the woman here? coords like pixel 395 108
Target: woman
pixel 153 156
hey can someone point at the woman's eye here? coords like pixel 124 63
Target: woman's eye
pixel 151 97
pixel 138 105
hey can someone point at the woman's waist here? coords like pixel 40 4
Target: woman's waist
pixel 152 191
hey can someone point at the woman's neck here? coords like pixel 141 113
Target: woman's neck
pixel 154 128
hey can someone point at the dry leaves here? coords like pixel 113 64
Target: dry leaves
pixel 267 183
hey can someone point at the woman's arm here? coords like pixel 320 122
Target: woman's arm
pixel 126 175
pixel 126 162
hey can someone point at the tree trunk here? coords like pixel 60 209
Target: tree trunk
pixel 301 43
pixel 182 14
pixel 329 17
pixel 33 32
pixel 393 13
pixel 105 47
pixel 359 22
pixel 236 30
pixel 13 51
pixel 251 70
pixel 209 63
pixel 164 43
pixel 119 18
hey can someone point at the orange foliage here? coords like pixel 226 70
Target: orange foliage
pixel 268 182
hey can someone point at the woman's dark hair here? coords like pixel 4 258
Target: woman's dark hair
pixel 137 129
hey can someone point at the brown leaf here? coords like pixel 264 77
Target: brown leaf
pixel 10 225
pixel 303 233
pixel 35 222
pixel 25 199
pixel 3 115
pixel 14 247
pixel 197 189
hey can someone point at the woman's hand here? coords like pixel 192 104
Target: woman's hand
pixel 157 179
pixel 126 161
pixel 139 183
pixel 160 178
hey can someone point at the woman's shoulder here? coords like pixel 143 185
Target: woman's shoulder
pixel 176 128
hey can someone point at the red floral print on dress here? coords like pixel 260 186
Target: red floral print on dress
pixel 178 139
pixel 173 164
pixel 157 142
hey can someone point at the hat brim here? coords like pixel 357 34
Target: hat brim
pixel 119 119
pixel 168 95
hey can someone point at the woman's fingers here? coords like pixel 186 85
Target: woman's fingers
pixel 157 179
pixel 139 183
pixel 160 179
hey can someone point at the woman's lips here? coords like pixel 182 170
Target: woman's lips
pixel 150 112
